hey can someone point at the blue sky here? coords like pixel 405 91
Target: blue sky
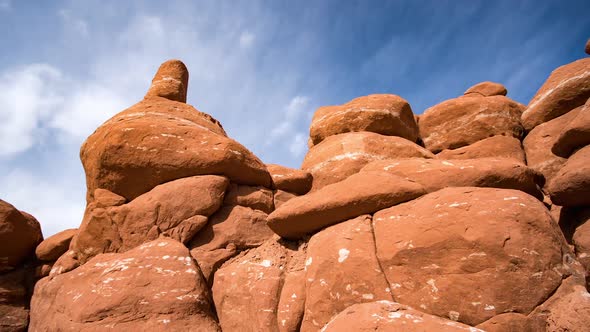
pixel 260 67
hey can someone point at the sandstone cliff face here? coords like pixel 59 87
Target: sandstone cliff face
pixel 457 220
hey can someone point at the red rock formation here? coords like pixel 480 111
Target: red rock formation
pixel 341 156
pixel 55 246
pixel 575 135
pixel 565 89
pixel 390 316
pixel 436 174
pixel 487 89
pixel 186 230
pixel 359 194
pixel 156 286
pixel 493 147
pixel 20 233
pixel 462 121
pixel 382 114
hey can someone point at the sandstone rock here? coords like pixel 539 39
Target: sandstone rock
pixel 487 89
pixel 67 262
pixel 566 310
pixel 176 209
pixel 289 179
pixel 110 292
pixel 160 140
pixel 359 194
pixel 537 145
pixel 105 198
pixel 20 233
pixel 43 270
pixel 493 147
pixel 210 260
pixel 575 135
pixel 390 316
pixel 251 285
pixel 292 300
pixel 170 82
pixel 14 312
pixel 341 156
pixel 485 172
pixel 571 185
pixel 587 49
pixel 342 270
pixel 238 225
pixel 382 114
pixel 492 239
pixel 462 121
pixel 281 197
pixel 258 198
pixel 56 245
pixel 581 239
pixel 513 322
pixel 566 88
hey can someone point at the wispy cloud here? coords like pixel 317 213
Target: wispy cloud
pixel 73 23
pixel 247 39
pixel 5 5
pixel 54 108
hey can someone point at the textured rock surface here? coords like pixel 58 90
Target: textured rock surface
pixel 289 179
pixel 565 89
pixel 487 89
pixel 566 310
pixel 493 147
pixel 186 230
pixel 178 209
pixel 359 194
pixel 538 143
pixel 486 172
pixel 238 225
pixel 383 114
pixel 390 316
pixel 14 312
pixel 341 156
pixel 492 239
pixel 258 198
pixel 170 82
pixel 462 121
pixel 251 286
pixel 575 135
pixel 571 185
pixel 159 140
pixel 20 233
pixel 281 197
pixel 156 286
pixel 56 245
pixel 342 270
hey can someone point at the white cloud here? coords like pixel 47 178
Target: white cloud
pixel 86 109
pixel 56 206
pixel 73 23
pixel 295 116
pixel 296 107
pixel 247 39
pixel 298 144
pixel 292 116
pixel 27 98
pixel 56 107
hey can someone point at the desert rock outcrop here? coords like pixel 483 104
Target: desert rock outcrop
pixel 187 230
pixel 565 89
